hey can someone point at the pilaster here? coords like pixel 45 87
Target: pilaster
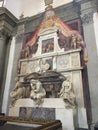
pixel 87 11
pixel 88 8
pixel 7 25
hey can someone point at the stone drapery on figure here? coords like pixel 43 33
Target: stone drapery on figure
pixel 37 92
pixel 18 92
pixel 67 93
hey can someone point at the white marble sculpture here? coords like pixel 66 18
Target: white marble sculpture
pixel 44 66
pixel 18 92
pixel 67 93
pixel 37 92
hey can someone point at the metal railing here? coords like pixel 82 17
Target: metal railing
pixel 45 124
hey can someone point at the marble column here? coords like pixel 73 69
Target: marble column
pixel 3 40
pixel 8 76
pixel 88 8
pixel 8 22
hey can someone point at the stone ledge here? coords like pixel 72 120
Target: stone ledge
pixel 48 103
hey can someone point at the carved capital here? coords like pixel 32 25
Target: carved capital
pixel 87 18
pixel 88 8
pixel 19 38
pixel 4 33
pixel 47 2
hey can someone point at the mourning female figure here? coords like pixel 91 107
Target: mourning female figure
pixel 67 93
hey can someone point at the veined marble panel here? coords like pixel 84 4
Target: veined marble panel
pixel 30 112
pixel 33 66
pixel 13 111
pixel 28 67
pixel 67 118
pixel 75 60
pixel 78 87
pixel 23 68
pixel 63 62
pixel 82 118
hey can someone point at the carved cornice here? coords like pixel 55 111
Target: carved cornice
pixel 7 21
pixel 7 15
pixel 84 1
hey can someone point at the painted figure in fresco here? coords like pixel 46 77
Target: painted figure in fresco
pixel 25 52
pixel 48 45
pixel 76 41
pixel 80 41
pixel 37 92
pixel 44 65
pixel 18 92
pixel 67 94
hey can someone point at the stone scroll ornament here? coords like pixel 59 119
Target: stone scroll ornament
pixel 67 94
pixel 37 92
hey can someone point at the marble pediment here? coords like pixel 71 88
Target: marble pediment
pixel 47 31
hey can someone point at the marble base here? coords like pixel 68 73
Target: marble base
pixel 14 111
pixel 70 118
pixel 48 103
pixel 82 119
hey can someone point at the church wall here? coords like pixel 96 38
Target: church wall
pixel 27 7
pixel 67 14
pixel 27 25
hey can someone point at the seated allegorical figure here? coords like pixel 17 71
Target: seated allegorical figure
pixel 18 92
pixel 67 94
pixel 37 92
